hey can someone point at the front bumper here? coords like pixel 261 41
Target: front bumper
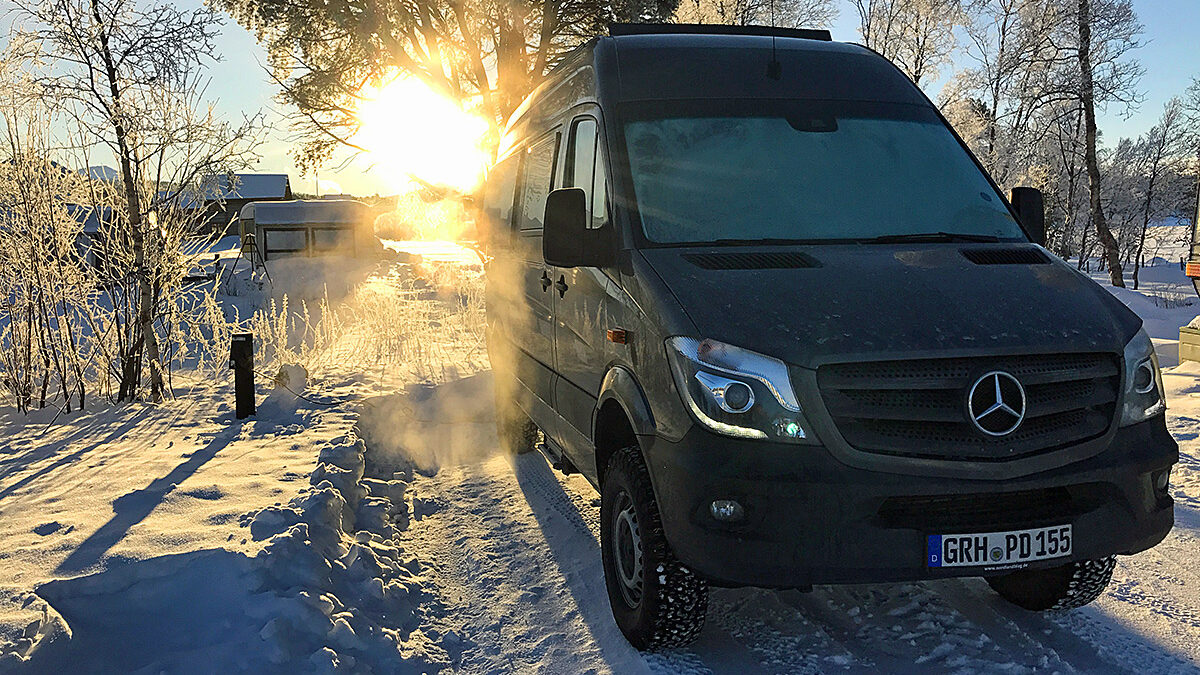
pixel 810 519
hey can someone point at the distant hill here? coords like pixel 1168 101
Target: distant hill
pixel 102 173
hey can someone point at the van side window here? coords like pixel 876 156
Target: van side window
pixel 585 168
pixel 498 195
pixel 537 179
pixel 600 189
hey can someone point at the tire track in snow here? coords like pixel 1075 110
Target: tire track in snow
pixel 780 639
pixel 505 568
pixel 518 565
pixel 520 559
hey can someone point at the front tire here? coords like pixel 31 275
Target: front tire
pixel 1057 588
pixel 656 601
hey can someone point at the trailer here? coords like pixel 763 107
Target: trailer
pixel 309 228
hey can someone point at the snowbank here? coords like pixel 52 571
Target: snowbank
pixel 180 579
pixel 332 589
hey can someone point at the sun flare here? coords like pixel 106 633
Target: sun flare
pixel 409 130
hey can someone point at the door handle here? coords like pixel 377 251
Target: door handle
pixel 561 285
pixel 545 281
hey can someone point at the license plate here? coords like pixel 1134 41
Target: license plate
pixel 998 548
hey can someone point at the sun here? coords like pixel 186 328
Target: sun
pixel 408 130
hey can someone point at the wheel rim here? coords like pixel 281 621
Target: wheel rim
pixel 627 550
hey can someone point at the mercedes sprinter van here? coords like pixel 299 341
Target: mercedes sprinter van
pixel 753 287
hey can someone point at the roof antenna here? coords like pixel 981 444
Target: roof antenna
pixel 774 67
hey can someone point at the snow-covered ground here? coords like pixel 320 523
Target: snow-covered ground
pixel 1165 300
pixel 372 526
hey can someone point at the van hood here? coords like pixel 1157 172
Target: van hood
pixel 821 304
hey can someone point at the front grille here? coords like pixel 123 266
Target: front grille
pixel 917 408
pixel 967 513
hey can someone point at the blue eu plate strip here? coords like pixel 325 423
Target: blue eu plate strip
pixel 935 550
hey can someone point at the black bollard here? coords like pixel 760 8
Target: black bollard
pixel 241 360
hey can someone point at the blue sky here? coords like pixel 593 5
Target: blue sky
pixel 1171 57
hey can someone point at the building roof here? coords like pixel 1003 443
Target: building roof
pixel 244 186
pixel 303 212
pixel 254 186
pixel 91 217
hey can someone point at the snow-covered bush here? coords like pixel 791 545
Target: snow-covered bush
pixel 418 321
pixel 46 284
pixel 93 300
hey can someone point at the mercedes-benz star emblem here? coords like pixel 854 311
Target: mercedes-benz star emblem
pixel 996 403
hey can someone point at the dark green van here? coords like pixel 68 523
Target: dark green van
pixel 752 286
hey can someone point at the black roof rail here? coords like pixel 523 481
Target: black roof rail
pixel 618 29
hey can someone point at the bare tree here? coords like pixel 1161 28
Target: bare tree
pixel 1104 32
pixel 131 74
pixel 1164 145
pixel 787 13
pixel 1191 109
pixel 916 35
pixel 1065 156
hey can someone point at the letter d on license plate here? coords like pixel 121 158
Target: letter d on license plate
pixel 998 548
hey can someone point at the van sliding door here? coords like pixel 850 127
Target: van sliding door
pixel 534 335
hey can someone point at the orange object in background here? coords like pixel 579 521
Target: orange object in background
pixel 1192 270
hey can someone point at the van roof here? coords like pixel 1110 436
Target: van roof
pixel 677 66
pixel 619 29
pixel 672 62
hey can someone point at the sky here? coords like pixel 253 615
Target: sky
pixel 241 84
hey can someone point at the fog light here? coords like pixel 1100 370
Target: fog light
pixel 727 510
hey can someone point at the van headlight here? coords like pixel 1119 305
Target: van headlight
pixel 737 392
pixel 1144 396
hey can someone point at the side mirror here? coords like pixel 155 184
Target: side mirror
pixel 567 241
pixel 1031 211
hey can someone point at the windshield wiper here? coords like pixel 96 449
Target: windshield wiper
pixel 931 237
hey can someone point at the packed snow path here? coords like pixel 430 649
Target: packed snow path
pixel 512 548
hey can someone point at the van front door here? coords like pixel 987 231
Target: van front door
pixel 582 301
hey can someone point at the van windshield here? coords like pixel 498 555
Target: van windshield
pixel 741 172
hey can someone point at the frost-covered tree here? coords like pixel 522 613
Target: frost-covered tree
pixel 45 280
pixel 1040 71
pixel 916 35
pixel 786 13
pixel 1162 152
pixel 1100 38
pixel 1005 95
pixel 130 74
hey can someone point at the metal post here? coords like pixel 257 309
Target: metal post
pixel 241 360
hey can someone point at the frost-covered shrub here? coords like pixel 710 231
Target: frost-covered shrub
pixel 418 322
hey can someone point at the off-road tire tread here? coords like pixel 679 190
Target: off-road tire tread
pixel 1051 590
pixel 1088 582
pixel 681 596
